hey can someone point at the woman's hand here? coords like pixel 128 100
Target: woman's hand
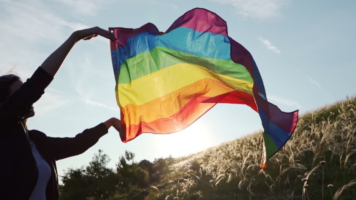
pixel 116 123
pixel 87 34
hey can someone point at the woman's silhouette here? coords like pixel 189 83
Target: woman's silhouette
pixel 28 157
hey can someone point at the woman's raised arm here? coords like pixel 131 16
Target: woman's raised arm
pixel 18 105
pixel 52 64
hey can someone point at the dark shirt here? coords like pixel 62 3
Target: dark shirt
pixel 18 169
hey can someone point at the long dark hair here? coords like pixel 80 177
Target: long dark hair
pixel 5 83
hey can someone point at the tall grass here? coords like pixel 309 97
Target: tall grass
pixel 318 162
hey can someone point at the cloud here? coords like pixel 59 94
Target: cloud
pixel 50 101
pixel 260 9
pixel 284 101
pixel 85 93
pixel 24 21
pixel 167 5
pixel 94 103
pixel 314 82
pixel 269 45
pixel 320 87
pixel 25 26
pixel 83 7
pixel 82 77
pixel 162 3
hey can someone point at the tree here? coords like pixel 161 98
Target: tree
pixel 96 180
pixel 131 174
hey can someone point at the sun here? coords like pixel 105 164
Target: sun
pixel 193 139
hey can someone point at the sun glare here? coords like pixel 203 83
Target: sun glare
pixel 193 139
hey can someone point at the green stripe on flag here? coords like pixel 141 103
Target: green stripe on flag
pixel 271 148
pixel 162 57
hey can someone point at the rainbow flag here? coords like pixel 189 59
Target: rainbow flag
pixel 166 81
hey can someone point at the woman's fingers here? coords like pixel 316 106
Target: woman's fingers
pixel 104 33
pixel 117 125
pixel 89 33
pixel 107 34
pixel 90 37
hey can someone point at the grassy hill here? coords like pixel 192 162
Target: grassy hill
pixel 318 162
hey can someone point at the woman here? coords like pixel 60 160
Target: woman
pixel 28 157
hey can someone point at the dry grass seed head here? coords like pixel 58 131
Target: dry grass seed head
pixel 344 187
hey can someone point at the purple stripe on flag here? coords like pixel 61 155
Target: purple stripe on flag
pixel 201 20
pixel 284 120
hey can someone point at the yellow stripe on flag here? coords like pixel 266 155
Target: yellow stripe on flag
pixel 167 80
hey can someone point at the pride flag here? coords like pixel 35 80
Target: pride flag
pixel 166 81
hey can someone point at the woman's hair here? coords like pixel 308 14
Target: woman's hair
pixel 5 83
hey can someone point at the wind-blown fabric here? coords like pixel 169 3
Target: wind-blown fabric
pixel 166 81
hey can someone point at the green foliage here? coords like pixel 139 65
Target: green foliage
pixel 95 181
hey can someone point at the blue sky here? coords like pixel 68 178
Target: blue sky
pixel 305 51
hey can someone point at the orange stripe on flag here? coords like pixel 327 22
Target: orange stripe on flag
pixel 189 113
pixel 169 104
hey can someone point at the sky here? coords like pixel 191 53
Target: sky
pixel 305 51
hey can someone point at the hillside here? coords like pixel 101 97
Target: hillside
pixel 318 162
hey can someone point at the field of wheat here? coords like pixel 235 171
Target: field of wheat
pixel 318 162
